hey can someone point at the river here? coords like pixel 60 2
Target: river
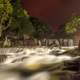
pixel 38 63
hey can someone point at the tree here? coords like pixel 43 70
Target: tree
pixel 62 33
pixel 73 24
pixel 6 10
pixel 14 19
pixel 21 19
pixel 13 16
pixel 42 30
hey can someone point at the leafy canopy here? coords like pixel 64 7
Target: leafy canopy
pixel 13 16
pixel 6 10
pixel 42 30
pixel 73 24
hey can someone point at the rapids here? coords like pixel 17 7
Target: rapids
pixel 33 63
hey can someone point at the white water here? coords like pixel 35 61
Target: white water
pixel 33 58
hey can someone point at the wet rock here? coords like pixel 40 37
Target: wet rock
pixel 73 65
pixel 73 52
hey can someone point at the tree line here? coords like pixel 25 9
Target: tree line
pixel 16 23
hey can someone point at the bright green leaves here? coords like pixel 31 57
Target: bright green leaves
pixel 73 25
pixel 9 8
pixel 5 7
pixel 6 10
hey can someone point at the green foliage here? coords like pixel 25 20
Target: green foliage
pixel 23 25
pixel 18 10
pixel 13 16
pixel 42 30
pixel 21 19
pixel 5 7
pixel 6 10
pixel 73 25
pixel 14 19
pixel 62 33
pixel 26 26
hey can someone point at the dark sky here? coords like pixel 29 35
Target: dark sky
pixel 54 12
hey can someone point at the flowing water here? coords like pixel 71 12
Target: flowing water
pixel 39 63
